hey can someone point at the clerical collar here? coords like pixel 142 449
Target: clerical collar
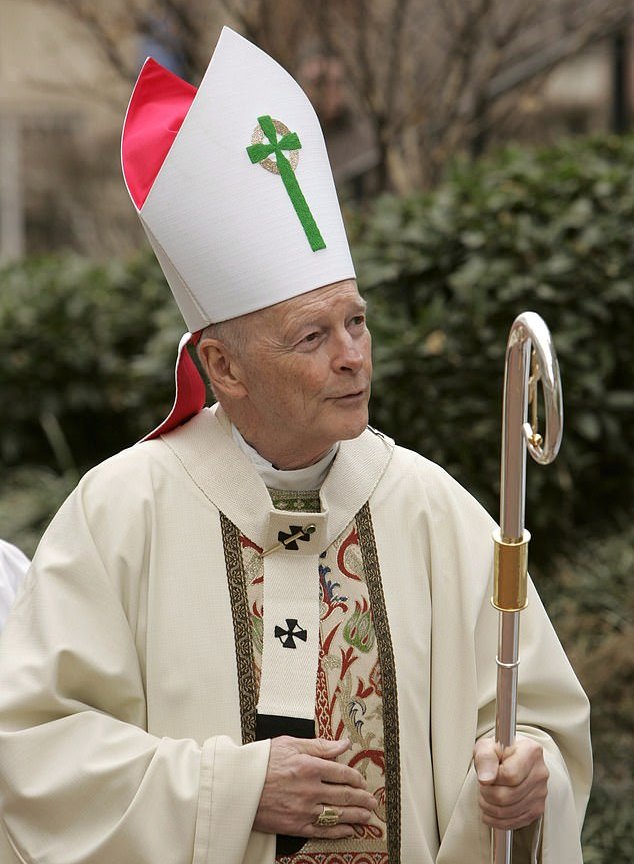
pixel 298 479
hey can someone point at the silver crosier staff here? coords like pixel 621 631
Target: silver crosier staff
pixel 530 358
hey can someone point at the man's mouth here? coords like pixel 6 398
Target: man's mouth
pixel 351 396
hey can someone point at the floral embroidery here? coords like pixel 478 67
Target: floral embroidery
pixel 349 558
pixel 359 630
pixel 375 679
pixel 257 629
pixel 328 596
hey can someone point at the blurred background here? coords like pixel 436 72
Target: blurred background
pixel 484 155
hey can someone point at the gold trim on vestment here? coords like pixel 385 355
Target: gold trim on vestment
pixel 367 545
pixel 241 627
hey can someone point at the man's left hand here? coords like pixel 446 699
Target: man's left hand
pixel 513 783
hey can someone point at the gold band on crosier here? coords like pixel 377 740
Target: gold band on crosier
pixel 510 572
pixel 328 817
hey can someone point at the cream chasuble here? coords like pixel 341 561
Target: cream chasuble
pixel 127 675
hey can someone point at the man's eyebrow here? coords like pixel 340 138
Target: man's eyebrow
pixel 358 305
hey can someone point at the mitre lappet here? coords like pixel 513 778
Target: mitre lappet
pixel 233 187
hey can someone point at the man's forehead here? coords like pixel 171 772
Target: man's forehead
pixel 280 321
pixel 312 302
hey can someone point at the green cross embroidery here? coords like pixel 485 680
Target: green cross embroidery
pixel 259 152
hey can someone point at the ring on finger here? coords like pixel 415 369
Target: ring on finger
pixel 328 817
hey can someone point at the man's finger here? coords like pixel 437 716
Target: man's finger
pixel 494 796
pixel 347 796
pixel 321 747
pixel 337 773
pixel 524 760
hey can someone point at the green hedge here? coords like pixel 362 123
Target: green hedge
pixel 87 358
pixel 447 274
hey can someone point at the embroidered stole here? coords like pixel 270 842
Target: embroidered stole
pixel 356 685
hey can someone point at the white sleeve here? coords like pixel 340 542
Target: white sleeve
pixel 81 780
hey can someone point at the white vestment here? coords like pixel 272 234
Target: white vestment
pixel 122 699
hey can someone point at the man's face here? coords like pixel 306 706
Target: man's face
pixel 307 369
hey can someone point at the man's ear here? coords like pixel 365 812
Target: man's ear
pixel 223 369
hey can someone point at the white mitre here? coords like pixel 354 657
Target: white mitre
pixel 233 187
pixel 234 235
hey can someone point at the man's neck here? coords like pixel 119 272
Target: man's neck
pixel 302 478
pixel 282 458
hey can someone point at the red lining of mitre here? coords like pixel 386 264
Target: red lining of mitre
pixel 190 389
pixel 158 105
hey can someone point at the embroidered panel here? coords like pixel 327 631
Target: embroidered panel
pixel 356 687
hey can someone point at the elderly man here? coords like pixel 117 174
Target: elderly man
pixel 264 633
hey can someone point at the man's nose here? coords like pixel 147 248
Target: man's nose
pixel 349 357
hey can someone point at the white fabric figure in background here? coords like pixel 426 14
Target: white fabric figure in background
pixel 264 633
pixel 13 566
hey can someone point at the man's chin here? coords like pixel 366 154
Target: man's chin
pixel 354 428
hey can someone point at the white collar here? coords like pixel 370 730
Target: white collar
pixel 296 480
pixel 229 480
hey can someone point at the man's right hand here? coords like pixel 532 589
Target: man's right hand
pixel 301 779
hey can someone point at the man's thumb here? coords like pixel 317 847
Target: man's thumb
pixel 487 761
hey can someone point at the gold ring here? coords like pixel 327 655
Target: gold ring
pixel 328 817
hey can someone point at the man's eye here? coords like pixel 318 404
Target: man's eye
pixel 312 337
pixel 358 320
